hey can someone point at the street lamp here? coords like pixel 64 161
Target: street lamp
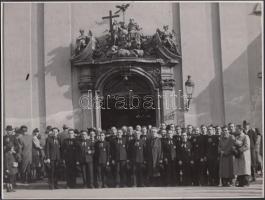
pixel 189 86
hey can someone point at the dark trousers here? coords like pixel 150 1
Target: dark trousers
pixel 70 168
pixel 101 175
pixel 203 177
pixel 129 173
pixel 87 174
pixel 243 180
pixel 53 172
pixel 195 171
pixel 213 165
pixel 138 179
pixel 120 173
pixel 26 175
pixel 170 172
pixel 226 181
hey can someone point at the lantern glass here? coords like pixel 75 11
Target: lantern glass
pixel 189 85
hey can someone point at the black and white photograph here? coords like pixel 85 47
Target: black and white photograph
pixel 132 99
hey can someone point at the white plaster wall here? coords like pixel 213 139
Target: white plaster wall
pixel 17 97
pixel 241 55
pixel 198 61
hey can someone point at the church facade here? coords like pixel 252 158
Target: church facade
pixel 93 65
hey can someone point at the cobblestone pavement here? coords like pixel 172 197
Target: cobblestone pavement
pixel 40 190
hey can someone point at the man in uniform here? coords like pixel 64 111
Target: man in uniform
pixel 85 152
pixel 61 137
pixel 154 158
pixel 138 160
pixel 111 139
pixel 69 153
pixel 52 153
pixel 199 170
pixel 169 147
pixel 189 131
pixel 129 146
pixel 119 158
pixel 212 157
pixel 184 161
pixel 102 154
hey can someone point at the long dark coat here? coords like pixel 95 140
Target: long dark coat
pixel 226 169
pixel 154 155
pixel 26 151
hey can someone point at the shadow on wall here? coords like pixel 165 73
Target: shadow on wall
pixel 58 63
pixel 60 58
pixel 236 89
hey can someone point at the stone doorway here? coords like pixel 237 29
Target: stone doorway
pixel 127 100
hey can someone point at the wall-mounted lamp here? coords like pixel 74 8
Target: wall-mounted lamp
pixel 189 86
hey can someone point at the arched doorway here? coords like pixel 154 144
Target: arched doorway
pixel 127 100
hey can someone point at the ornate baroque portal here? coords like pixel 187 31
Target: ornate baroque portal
pixel 127 76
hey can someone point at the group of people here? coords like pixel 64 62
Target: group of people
pixel 134 157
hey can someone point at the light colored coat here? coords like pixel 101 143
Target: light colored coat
pixel 226 168
pixel 243 163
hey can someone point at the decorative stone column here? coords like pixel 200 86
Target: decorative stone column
pixel 168 95
pixel 97 109
pixel 86 102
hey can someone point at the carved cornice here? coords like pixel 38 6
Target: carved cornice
pixel 86 82
pixel 167 84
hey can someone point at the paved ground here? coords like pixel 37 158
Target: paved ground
pixel 40 190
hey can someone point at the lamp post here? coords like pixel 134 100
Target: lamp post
pixel 189 86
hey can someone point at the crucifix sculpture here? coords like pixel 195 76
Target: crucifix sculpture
pixel 110 23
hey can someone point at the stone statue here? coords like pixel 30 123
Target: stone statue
pixel 81 41
pixel 168 39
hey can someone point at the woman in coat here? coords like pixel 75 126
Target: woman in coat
pixel 242 161
pixel 225 148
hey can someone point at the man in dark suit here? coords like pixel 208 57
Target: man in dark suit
pixel 169 147
pixel 199 168
pixel 119 158
pixel 154 158
pixel 102 156
pixel 69 153
pixel 212 157
pixel 52 153
pixel 253 138
pixel 85 152
pixel 129 146
pixel 138 159
pixel 184 161
pixel 112 141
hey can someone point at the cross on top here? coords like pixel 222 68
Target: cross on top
pixel 110 22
